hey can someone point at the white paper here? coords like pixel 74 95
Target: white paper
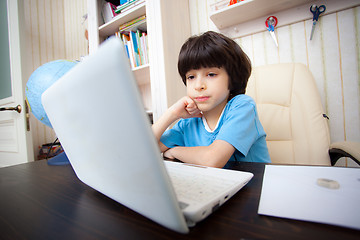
pixel 292 192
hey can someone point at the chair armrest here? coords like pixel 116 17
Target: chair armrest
pixel 344 149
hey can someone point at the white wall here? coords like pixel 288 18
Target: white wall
pixel 333 56
pixel 54 30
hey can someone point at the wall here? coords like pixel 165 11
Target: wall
pixel 54 31
pixel 333 56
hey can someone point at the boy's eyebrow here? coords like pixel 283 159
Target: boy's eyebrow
pixel 213 68
pixel 195 69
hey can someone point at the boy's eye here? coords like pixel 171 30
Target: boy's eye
pixel 190 77
pixel 212 74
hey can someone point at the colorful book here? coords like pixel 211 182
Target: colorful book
pixel 124 6
pixel 133 23
pixel 137 3
pixel 129 47
pixel 124 40
pixel 134 38
pixel 135 47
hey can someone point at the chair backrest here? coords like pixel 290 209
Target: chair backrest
pixel 291 113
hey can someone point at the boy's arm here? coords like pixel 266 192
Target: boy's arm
pixel 183 108
pixel 215 155
pixel 160 126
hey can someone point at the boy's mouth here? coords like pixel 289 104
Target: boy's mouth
pixel 202 98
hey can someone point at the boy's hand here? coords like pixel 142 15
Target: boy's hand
pixel 185 108
pixel 168 155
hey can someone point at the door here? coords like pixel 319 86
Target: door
pixel 15 138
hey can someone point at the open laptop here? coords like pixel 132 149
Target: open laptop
pixel 97 114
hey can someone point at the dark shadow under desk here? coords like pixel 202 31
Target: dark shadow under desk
pixel 38 201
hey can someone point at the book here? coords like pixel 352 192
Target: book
pixel 126 5
pixel 133 23
pixel 134 37
pixel 124 40
pixel 129 48
pixel 108 11
pixel 138 2
pixel 135 47
pixel 144 46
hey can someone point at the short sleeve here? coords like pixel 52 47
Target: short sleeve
pixel 241 127
pixel 173 137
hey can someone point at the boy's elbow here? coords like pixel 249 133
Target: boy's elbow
pixel 216 165
pixel 215 160
pixel 162 147
pixel 218 154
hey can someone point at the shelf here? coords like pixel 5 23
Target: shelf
pixel 251 9
pixel 142 74
pixel 111 27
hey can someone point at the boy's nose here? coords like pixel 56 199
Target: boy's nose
pixel 200 85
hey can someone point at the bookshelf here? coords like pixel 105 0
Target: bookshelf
pixel 113 26
pixel 168 26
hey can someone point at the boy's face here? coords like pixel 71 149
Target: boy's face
pixel 208 87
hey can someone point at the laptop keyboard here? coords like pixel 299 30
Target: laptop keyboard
pixel 194 187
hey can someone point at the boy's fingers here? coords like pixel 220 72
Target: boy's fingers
pixel 194 112
pixel 168 155
pixel 198 114
pixel 190 104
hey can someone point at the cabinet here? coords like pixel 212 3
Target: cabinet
pixel 251 9
pixel 248 17
pixel 168 26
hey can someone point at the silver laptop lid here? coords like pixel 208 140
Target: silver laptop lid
pixel 98 116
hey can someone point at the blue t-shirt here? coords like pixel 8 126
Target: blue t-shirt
pixel 239 125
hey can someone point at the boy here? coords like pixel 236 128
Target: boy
pixel 218 122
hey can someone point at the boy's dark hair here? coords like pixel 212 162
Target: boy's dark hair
pixel 213 49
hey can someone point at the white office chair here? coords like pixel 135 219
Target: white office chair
pixel 292 115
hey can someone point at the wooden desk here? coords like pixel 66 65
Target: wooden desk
pixel 38 201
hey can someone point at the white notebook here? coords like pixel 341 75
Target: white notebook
pixel 97 113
